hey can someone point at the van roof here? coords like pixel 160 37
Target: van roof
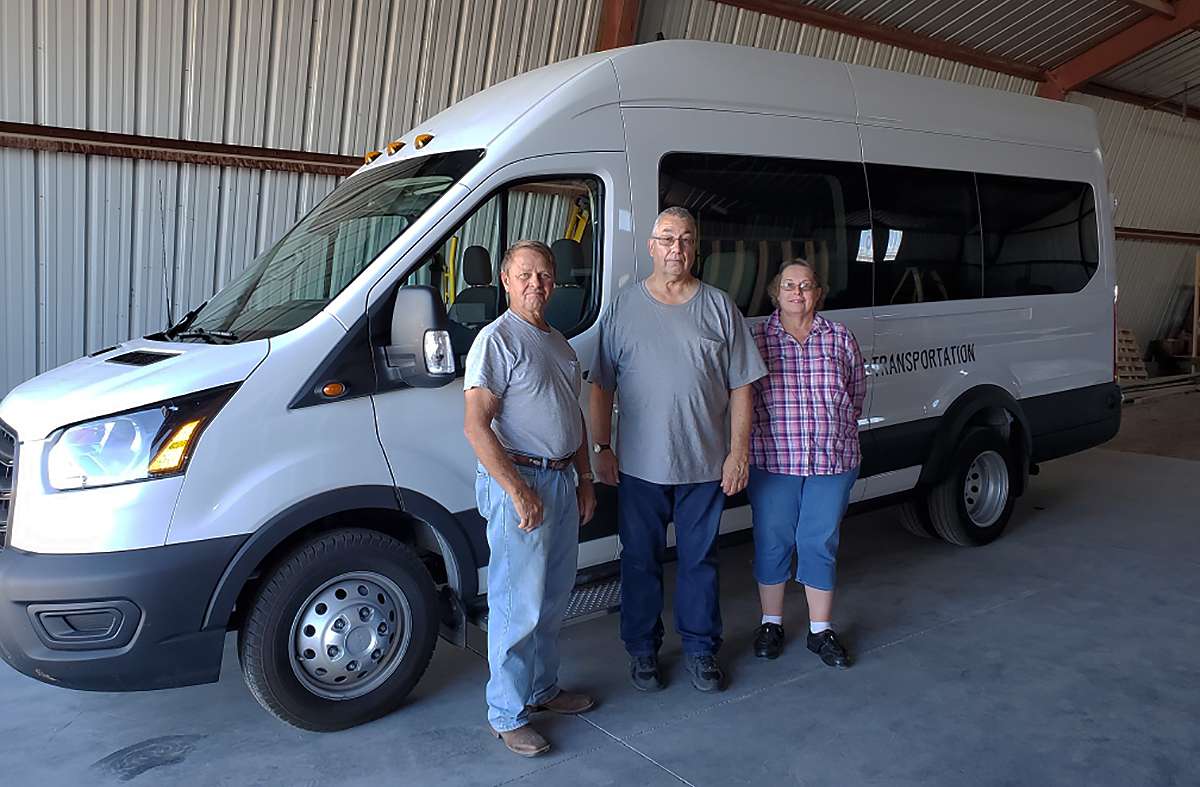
pixel 700 74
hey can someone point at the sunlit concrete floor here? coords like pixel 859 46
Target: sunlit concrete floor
pixel 1065 653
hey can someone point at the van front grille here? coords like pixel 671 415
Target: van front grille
pixel 8 477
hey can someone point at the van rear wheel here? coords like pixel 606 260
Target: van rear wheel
pixel 914 516
pixel 340 631
pixel 971 506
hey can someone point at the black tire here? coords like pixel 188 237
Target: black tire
pixel 914 516
pixel 397 585
pixel 969 518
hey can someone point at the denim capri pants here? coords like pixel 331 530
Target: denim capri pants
pixel 801 515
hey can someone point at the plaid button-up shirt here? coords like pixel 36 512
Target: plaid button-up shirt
pixel 806 409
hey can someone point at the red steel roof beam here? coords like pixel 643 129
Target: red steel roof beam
pixel 893 36
pixel 618 24
pixel 1159 7
pixel 1118 49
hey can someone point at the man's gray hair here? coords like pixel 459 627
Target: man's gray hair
pixel 527 245
pixel 676 212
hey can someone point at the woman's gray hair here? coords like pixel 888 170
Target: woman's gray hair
pixel 526 245
pixel 773 287
pixel 676 212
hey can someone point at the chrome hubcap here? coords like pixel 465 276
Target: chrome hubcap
pixel 350 635
pixel 985 491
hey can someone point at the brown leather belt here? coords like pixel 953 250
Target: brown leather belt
pixel 541 463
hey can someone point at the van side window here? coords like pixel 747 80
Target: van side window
pixel 926 241
pixel 564 213
pixel 756 212
pixel 1039 236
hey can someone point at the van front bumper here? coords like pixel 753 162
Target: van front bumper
pixel 116 621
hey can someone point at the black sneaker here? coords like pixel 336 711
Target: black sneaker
pixel 768 641
pixel 643 673
pixel 827 646
pixel 704 671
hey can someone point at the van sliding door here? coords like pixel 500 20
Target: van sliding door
pixel 765 190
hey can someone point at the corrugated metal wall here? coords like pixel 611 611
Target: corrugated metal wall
pixel 89 241
pixel 1153 159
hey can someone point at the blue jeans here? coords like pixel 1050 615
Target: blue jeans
pixel 644 510
pixel 800 515
pixel 530 578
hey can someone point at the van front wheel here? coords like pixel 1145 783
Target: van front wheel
pixel 972 504
pixel 340 631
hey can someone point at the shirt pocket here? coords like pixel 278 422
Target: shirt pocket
pixel 710 355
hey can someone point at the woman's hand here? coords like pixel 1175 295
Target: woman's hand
pixel 735 473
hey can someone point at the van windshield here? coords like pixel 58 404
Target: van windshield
pixel 316 259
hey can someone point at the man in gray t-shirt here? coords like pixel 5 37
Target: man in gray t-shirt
pixel 682 358
pixel 523 421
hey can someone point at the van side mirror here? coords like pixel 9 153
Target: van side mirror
pixel 419 352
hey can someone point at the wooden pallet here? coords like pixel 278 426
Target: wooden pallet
pixel 1130 366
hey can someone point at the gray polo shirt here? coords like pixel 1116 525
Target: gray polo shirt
pixel 535 375
pixel 673 368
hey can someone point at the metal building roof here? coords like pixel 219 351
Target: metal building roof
pixel 1143 51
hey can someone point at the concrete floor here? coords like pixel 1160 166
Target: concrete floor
pixel 1163 423
pixel 1065 653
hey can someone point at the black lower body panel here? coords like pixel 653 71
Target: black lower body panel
pixel 1072 421
pixel 118 621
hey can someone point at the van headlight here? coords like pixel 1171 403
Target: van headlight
pixel 153 442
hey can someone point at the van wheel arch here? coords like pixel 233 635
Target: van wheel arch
pixel 982 406
pixel 442 543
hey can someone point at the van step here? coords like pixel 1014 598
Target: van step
pixel 592 600
pixel 589 600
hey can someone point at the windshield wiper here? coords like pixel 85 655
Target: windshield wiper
pixel 211 337
pixel 185 322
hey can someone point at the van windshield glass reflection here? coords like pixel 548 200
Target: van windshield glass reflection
pixel 312 263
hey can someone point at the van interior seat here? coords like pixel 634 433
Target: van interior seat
pixel 567 302
pixel 476 304
pixel 734 272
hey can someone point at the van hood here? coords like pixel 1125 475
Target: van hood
pixel 136 373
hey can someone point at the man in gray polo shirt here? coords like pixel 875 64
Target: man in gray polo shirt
pixel 524 422
pixel 682 358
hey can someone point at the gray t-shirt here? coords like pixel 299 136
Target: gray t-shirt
pixel 535 375
pixel 673 368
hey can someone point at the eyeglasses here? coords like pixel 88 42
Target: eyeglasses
pixel 804 286
pixel 667 241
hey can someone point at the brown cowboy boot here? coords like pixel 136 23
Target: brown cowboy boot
pixel 566 702
pixel 524 741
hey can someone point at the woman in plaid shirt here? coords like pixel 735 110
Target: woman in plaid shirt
pixel 804 456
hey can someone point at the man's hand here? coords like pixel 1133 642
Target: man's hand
pixel 529 508
pixel 735 473
pixel 606 467
pixel 585 495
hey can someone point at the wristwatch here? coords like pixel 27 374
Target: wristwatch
pixel 598 447
pixel 587 477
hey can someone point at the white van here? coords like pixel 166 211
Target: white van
pixel 289 460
